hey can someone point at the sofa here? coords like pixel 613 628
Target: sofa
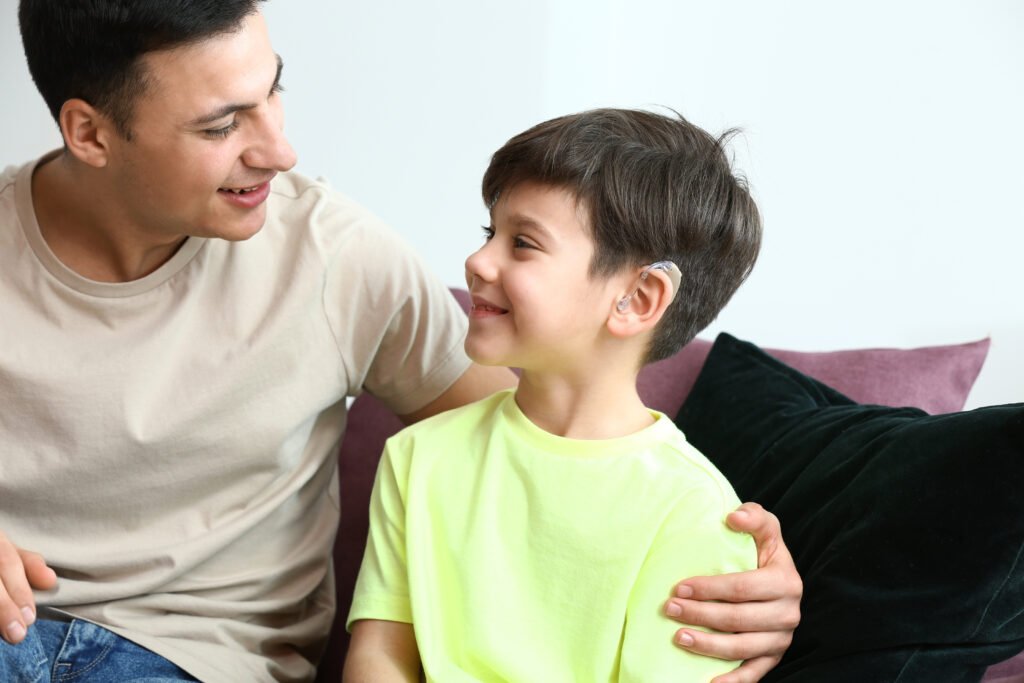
pixel 844 556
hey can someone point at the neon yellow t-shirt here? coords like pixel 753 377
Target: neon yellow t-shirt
pixel 522 556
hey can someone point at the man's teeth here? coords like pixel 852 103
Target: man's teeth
pixel 244 190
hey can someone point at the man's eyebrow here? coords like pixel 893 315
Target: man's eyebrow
pixel 229 109
pixel 277 76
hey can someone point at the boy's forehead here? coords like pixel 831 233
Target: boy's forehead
pixel 531 203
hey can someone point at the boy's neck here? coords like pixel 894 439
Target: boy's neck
pixel 601 406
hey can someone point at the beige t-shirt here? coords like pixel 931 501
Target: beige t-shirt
pixel 168 444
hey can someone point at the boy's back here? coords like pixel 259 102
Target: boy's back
pixel 489 534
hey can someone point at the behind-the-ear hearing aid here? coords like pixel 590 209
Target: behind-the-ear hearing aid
pixel 668 267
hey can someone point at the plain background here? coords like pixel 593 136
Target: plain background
pixel 883 141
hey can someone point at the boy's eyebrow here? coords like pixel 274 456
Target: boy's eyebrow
pixel 523 221
pixel 228 109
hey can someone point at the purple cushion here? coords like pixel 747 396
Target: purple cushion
pixel 936 379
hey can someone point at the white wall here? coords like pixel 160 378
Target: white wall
pixel 883 140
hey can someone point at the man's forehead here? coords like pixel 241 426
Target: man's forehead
pixel 238 67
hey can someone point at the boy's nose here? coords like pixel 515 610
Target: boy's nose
pixel 479 265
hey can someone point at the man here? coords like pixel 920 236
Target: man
pixel 182 326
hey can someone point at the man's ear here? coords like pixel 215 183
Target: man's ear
pixel 643 310
pixel 87 132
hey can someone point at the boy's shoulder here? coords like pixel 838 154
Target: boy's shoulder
pixel 456 420
pixel 683 467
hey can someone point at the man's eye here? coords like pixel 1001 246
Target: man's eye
pixel 222 132
pixel 488 232
pixel 520 243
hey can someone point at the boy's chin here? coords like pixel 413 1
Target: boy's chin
pixel 479 355
pixel 487 361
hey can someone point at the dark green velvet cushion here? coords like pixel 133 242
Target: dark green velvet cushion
pixel 907 528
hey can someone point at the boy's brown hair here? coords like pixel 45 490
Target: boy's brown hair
pixel 655 188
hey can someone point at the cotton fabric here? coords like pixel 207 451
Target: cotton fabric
pixel 519 555
pixel 168 444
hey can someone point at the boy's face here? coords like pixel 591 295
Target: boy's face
pixel 535 305
pixel 209 121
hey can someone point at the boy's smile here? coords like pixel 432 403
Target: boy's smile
pixel 482 308
pixel 535 305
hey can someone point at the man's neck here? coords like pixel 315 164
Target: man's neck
pixel 83 227
pixel 598 406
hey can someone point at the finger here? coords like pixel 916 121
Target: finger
pixel 751 671
pixel 736 646
pixel 13 587
pixel 744 617
pixel 39 574
pixel 753 519
pixel 768 583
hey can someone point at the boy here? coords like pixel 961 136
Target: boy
pixel 615 237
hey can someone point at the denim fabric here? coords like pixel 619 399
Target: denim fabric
pixel 82 652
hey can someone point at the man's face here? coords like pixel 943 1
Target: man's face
pixel 206 139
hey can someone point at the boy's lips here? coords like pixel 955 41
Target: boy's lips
pixel 482 308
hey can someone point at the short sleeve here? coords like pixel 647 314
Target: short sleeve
pixel 382 589
pixel 399 330
pixel 693 541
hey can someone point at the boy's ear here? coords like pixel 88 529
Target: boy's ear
pixel 87 132
pixel 644 309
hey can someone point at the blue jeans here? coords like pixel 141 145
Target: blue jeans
pixel 82 652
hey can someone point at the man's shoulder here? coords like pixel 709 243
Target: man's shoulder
pixel 9 198
pixel 301 205
pixel 9 177
pixel 293 190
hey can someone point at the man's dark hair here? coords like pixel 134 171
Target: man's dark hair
pixel 90 49
pixel 655 187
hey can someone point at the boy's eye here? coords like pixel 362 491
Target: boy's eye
pixel 517 242
pixel 222 132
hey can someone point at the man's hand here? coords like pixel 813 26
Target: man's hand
pixel 759 609
pixel 20 572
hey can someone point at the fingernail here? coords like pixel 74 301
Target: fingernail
pixel 684 591
pixel 685 639
pixel 15 631
pixel 28 615
pixel 673 610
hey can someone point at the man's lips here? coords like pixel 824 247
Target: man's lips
pixel 246 196
pixel 482 308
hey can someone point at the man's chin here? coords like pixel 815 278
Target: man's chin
pixel 237 231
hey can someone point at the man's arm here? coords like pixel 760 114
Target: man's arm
pixel 761 608
pixel 381 652
pixel 477 382
pixel 20 572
